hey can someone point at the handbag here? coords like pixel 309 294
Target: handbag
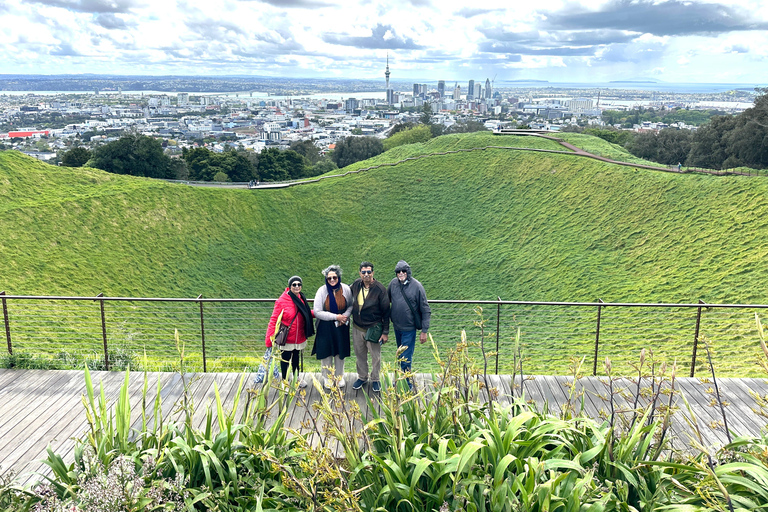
pixel 416 318
pixel 373 334
pixel 281 338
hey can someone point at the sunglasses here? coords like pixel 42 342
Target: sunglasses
pixel 366 272
pixel 333 278
pixel 401 271
pixel 296 285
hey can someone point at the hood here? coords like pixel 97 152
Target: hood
pixel 403 265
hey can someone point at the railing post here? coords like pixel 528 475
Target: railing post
pixel 498 328
pixel 597 338
pixel 7 325
pixel 104 332
pixel 202 332
pixel 696 339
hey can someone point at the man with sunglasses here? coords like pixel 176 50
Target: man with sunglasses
pixel 370 308
pixel 410 312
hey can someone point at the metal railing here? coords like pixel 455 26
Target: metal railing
pixel 228 334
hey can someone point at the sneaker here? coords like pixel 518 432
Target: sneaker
pixel 302 383
pixel 341 382
pixel 359 383
pixel 327 383
pixel 376 386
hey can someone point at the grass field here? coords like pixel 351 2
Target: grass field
pixel 473 225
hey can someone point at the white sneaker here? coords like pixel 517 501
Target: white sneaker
pixel 328 383
pixel 341 382
pixel 302 383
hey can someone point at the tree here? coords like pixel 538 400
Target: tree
pixel 644 145
pixel 353 149
pixel 709 145
pixel 276 165
pixel 136 155
pixel 307 149
pixel 269 166
pixel 203 165
pixel 399 127
pixel 673 146
pixel 323 166
pixel 426 114
pixel 179 168
pixel 467 127
pixel 76 157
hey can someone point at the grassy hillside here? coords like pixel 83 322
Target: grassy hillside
pixel 522 225
pixel 473 225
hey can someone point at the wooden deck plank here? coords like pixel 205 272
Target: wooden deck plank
pixel 43 407
pixel 737 405
pixel 72 425
pixel 706 416
pixel 20 392
pixel 16 441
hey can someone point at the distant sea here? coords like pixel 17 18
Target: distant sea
pixel 681 88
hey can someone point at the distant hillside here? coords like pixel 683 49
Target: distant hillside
pixel 473 225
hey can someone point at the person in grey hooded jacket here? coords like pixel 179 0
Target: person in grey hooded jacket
pixel 409 312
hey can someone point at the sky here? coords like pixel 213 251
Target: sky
pixel 687 41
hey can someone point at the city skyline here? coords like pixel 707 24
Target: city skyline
pixel 673 41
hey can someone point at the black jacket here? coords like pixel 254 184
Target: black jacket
pixel 376 306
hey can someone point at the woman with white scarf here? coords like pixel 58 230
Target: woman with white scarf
pixel 332 308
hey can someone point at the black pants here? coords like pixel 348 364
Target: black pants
pixel 292 357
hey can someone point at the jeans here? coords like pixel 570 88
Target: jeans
pixel 407 338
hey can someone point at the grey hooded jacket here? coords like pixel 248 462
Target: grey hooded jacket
pixel 401 315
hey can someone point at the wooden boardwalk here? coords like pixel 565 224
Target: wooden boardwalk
pixel 40 408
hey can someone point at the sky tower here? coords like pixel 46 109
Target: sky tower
pixel 386 75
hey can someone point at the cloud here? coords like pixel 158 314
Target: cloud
pixel 470 12
pixel 383 37
pixel 562 51
pixel 65 50
pixel 92 6
pixel 673 17
pixel 738 48
pixel 297 4
pixel 111 22
pixel 538 39
pixel 215 29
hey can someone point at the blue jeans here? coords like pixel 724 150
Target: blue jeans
pixel 407 338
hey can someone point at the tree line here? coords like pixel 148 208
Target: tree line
pixel 724 142
pixel 141 155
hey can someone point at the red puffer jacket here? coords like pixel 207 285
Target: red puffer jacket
pixel 296 336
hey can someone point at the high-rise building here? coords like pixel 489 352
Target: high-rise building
pixel 441 88
pixel 386 75
pixel 416 90
pixel 471 90
pixel 182 99
pixel 488 88
pixel 457 93
pixel 478 93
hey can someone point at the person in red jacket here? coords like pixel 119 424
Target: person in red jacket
pixel 298 315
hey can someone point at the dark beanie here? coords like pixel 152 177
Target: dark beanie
pixel 293 280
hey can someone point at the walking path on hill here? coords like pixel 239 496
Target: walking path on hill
pixel 572 151
pixel 42 408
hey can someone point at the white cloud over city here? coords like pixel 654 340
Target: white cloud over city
pixel 562 41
